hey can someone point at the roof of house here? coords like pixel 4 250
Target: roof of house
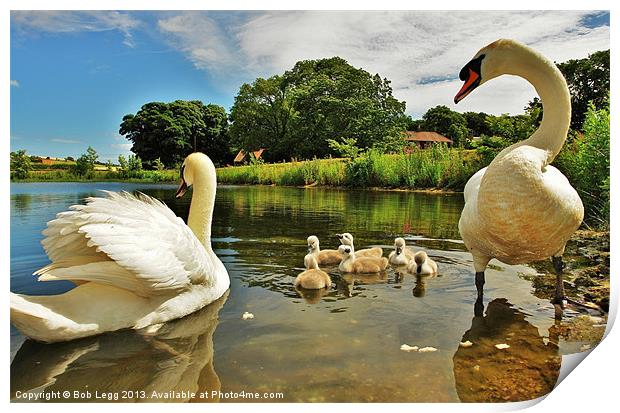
pixel 241 155
pixel 425 137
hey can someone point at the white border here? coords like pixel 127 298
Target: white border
pixel 590 387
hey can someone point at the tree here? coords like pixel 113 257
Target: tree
pixel 346 147
pixel 20 164
pixel 447 122
pixel 158 165
pixel 134 163
pixel 130 167
pixel 85 164
pixel 262 117
pixel 171 131
pixel 414 125
pixel 476 123
pixel 122 161
pixel 588 81
pixel 296 114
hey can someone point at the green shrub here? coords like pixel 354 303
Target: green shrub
pixel 585 162
pixel 20 165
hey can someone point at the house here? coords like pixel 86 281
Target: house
pixel 241 156
pixel 424 139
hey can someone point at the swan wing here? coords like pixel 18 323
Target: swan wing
pixel 132 242
pixel 470 192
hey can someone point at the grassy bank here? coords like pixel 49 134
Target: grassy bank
pixel 63 175
pixel 437 167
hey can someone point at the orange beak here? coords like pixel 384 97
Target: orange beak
pixel 467 87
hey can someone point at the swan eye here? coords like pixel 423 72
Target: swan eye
pixel 182 170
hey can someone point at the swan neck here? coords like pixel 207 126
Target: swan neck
pixel 201 209
pixel 555 98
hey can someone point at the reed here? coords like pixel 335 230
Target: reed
pixel 436 167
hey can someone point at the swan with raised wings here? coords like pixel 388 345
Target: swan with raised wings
pixel 134 262
pixel 520 208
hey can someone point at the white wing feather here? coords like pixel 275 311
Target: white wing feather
pixel 132 242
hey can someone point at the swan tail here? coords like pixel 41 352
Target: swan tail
pixel 41 323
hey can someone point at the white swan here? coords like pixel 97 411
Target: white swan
pixel 520 208
pixel 135 263
pixel 347 239
pixel 401 255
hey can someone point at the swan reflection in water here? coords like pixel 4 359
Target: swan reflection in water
pixel 420 280
pixel 176 357
pixel 528 369
pixel 419 289
pixel 348 281
pixel 312 296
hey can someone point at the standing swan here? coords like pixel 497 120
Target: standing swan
pixel 520 208
pixel 135 263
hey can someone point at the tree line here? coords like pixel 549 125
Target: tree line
pixel 296 114
pixel 307 111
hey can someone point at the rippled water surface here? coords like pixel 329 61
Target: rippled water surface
pixel 341 344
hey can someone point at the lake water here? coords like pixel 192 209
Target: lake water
pixel 337 345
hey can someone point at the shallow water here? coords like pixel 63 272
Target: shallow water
pixel 337 345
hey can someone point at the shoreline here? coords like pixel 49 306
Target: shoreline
pixel 311 186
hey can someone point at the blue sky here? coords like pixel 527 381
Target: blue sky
pixel 75 74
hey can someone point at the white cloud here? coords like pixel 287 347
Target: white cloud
pixel 122 146
pixel 67 141
pixel 14 83
pixel 59 21
pixel 205 43
pixel 411 48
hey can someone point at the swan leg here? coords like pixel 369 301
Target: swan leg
pixel 558 265
pixel 479 307
pixel 480 283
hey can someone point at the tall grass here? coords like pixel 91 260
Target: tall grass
pixel 436 167
pixel 585 162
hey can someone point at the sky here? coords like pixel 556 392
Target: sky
pixel 75 74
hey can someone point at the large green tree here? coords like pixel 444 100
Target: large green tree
pixel 171 131
pixel 447 122
pixel 296 113
pixel 477 124
pixel 262 117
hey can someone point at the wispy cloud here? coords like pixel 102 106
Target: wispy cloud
pixel 420 51
pixel 122 146
pixel 66 141
pixel 59 21
pixel 203 40
pixel 14 83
